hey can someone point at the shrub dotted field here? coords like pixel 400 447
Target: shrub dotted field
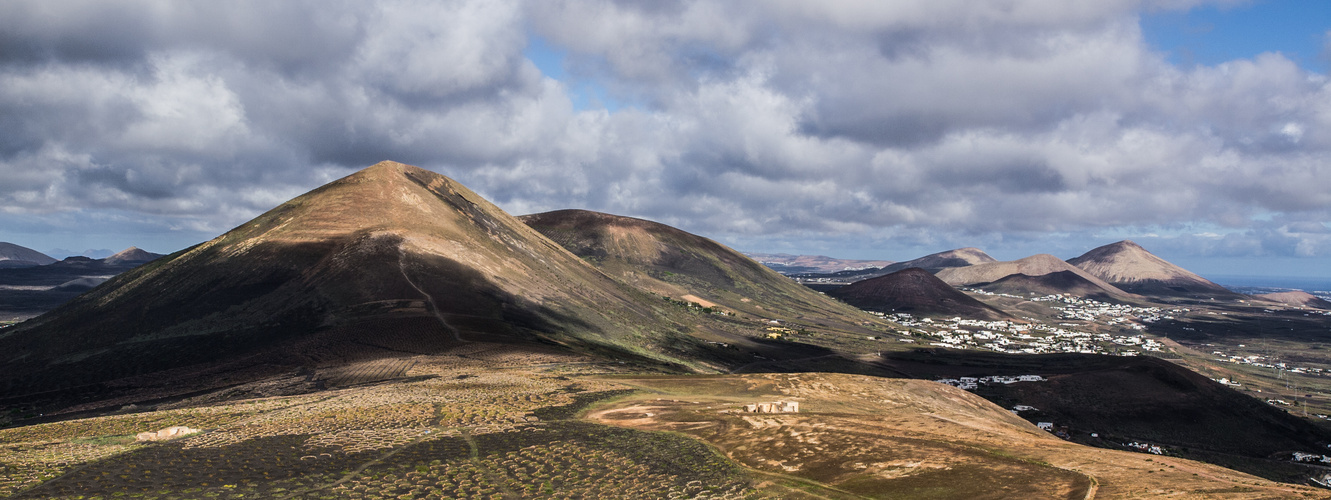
pixel 259 467
pixel 28 464
pixel 465 430
pixel 119 425
pixel 36 453
pixel 552 460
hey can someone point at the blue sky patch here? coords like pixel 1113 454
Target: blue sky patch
pixel 1212 35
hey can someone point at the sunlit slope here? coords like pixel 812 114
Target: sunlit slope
pixel 867 437
pixel 681 265
pixel 1035 265
pixel 933 263
pixel 393 259
pixel 1131 268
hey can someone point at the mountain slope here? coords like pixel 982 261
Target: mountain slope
pixel 1035 265
pixel 12 255
pixel 391 260
pixel 933 263
pixel 678 264
pixel 1133 269
pixel 789 264
pixel 913 291
pixel 1058 282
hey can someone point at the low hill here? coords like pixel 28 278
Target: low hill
pixel 671 262
pixel 1035 265
pixel 914 291
pixel 1058 282
pixel 392 260
pixel 934 263
pixel 789 264
pixel 1297 298
pixel 1131 268
pixel 12 255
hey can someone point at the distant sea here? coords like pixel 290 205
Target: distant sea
pixel 1320 287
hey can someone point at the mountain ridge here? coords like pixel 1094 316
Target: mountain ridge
pixel 1035 265
pixel 935 262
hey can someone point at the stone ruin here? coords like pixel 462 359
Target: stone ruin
pixel 773 407
pixel 165 434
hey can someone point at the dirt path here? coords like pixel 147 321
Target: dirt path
pixel 434 308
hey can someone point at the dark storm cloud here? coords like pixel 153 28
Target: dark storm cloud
pixel 933 122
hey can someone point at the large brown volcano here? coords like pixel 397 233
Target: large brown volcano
pixel 389 261
pixel 1131 268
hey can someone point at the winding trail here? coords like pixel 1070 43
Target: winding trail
pixel 434 308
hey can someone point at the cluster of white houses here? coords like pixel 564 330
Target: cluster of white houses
pixel 972 383
pixel 773 407
pixel 1262 362
pixel 1146 447
pixel 1025 338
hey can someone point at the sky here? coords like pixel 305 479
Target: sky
pixel 856 129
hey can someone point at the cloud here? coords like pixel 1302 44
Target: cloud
pixel 902 124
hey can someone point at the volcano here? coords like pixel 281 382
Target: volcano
pixel 914 291
pixel 393 260
pixel 1131 268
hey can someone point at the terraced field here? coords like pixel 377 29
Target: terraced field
pixel 483 422
pixel 492 422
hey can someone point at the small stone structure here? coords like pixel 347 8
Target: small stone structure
pixel 773 407
pixel 165 434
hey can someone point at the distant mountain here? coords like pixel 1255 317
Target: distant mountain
pixel 26 292
pixel 132 255
pixel 789 264
pixel 12 255
pixel 389 261
pixel 1133 269
pixel 681 265
pixel 1297 298
pixel 915 291
pixel 1035 265
pixel 1057 282
pixel 933 263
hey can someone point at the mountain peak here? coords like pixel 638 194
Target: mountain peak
pixel 913 290
pixel 389 260
pixel 131 255
pixel 1129 266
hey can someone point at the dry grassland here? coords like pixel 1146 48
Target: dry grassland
pixel 890 438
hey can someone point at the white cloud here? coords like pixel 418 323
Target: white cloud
pixel 922 122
